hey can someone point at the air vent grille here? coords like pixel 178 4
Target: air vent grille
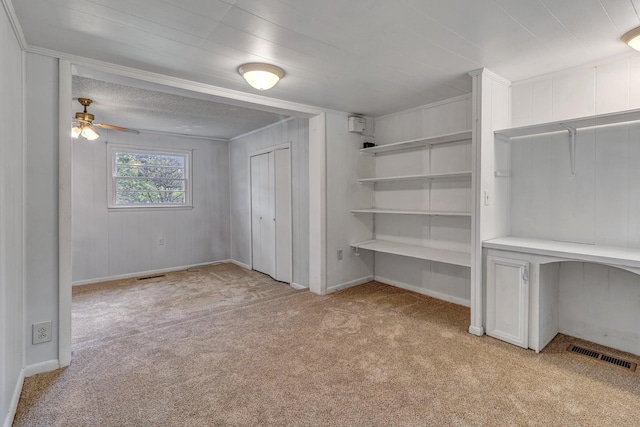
pixel 603 357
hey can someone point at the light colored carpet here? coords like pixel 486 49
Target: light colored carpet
pixel 225 346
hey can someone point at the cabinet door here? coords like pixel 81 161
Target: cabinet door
pixel 508 300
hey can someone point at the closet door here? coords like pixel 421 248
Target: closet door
pixel 283 214
pixel 263 213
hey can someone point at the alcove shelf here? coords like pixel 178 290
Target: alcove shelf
pixel 432 254
pixel 409 212
pixel 464 174
pixel 417 143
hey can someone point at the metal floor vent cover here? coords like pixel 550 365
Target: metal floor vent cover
pixel 604 357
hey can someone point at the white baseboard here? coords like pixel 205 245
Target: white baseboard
pixel 147 273
pixel 423 291
pixel 350 284
pixel 476 330
pixel 240 264
pixel 15 398
pixel 39 368
pixel 298 286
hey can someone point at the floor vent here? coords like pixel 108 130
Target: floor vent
pixel 152 277
pixel 604 357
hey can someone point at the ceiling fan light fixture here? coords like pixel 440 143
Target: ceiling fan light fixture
pixel 89 133
pixel 75 132
pixel 261 76
pixel 632 38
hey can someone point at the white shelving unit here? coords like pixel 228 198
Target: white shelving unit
pixel 431 254
pixel 409 212
pixel 420 142
pixel 394 183
pixel 588 297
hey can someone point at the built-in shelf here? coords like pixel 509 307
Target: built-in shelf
pixel 571 124
pixel 410 212
pixel 609 255
pixel 432 254
pixel 421 142
pixel 428 176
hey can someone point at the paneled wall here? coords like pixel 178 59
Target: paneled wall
pixel 120 242
pixel 345 165
pixel 600 204
pixel 296 132
pixel 11 220
pixel 446 281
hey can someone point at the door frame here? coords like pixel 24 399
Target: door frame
pixel 317 171
pixel 283 146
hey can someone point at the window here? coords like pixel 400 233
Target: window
pixel 146 177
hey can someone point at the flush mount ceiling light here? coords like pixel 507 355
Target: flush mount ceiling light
pixel 632 38
pixel 261 76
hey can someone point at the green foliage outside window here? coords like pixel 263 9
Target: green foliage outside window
pixel 144 178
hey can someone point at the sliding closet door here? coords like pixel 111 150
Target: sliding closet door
pixel 283 214
pixel 263 235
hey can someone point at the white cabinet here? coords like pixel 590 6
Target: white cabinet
pixel 508 300
pixel 422 192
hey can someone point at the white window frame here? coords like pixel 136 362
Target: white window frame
pixel 138 149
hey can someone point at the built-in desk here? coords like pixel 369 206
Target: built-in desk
pixel 522 284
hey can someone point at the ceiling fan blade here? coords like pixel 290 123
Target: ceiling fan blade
pixel 118 128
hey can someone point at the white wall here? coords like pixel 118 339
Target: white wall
pixel 11 220
pixel 600 204
pixel 41 216
pixel 445 281
pixel 120 242
pixel 296 132
pixel 345 165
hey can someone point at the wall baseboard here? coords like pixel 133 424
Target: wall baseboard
pixel 147 273
pixel 474 330
pixel 240 264
pixel 15 398
pixel 350 284
pixel 423 291
pixel 39 368
pixel 298 286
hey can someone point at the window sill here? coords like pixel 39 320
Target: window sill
pixel 148 208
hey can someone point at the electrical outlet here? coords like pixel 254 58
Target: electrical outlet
pixel 160 241
pixel 339 254
pixel 41 332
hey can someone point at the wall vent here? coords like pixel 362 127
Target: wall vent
pixel 603 357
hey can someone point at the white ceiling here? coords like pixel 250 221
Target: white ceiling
pixel 361 56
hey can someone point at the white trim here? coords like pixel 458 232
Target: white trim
pixel 40 368
pixel 282 146
pixel 240 264
pixel 350 284
pixel 423 291
pixel 431 105
pixel 15 399
pixel 318 204
pixel 182 135
pixel 146 273
pixel 298 286
pixel 485 72
pixel 278 123
pixel 65 213
pixel 15 24
pixel 148 76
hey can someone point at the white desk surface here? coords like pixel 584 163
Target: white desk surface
pixel 611 255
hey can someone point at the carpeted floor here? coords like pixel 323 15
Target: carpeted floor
pixel 225 346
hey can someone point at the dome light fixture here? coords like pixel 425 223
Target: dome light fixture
pixel 261 76
pixel 632 38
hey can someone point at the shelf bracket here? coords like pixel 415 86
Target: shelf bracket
pixel 572 147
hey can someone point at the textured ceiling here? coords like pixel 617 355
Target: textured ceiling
pixel 368 56
pixel 145 109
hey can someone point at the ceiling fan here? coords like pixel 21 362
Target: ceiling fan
pixel 84 126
